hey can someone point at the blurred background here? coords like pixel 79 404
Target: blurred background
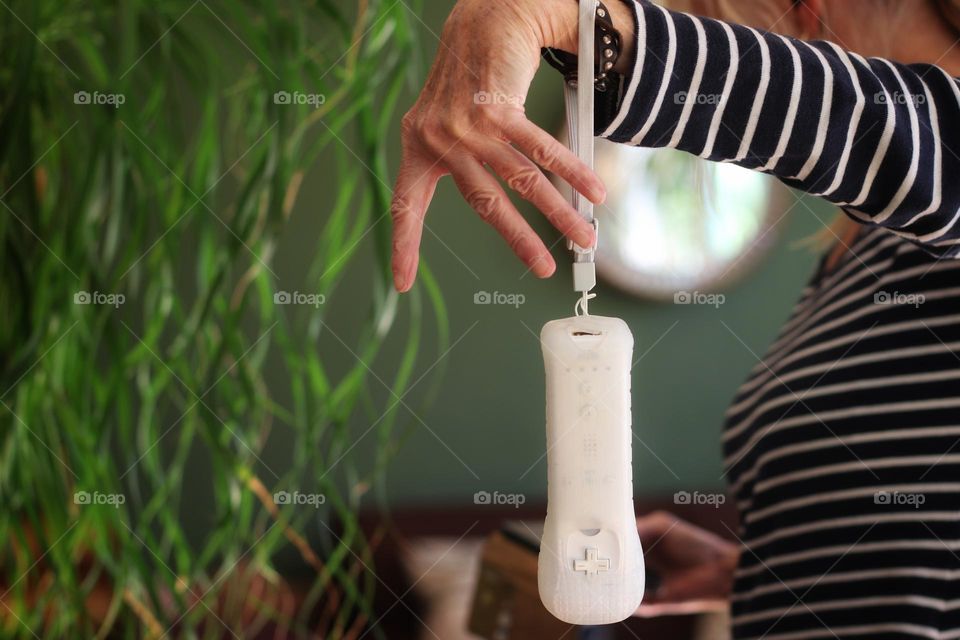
pixel 217 418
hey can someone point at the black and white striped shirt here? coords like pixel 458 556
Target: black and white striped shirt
pixel 843 446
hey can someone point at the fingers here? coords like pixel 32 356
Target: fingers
pixel 416 183
pixel 485 196
pixel 654 526
pixel 527 180
pixel 418 178
pixel 703 583
pixel 550 154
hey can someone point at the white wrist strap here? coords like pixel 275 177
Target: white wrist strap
pixel 580 103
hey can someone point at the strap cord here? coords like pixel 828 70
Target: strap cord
pixel 579 98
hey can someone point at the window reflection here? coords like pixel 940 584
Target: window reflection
pixel 675 222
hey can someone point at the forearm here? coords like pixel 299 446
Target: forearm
pixel 868 135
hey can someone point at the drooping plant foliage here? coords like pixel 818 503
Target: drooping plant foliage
pixel 151 154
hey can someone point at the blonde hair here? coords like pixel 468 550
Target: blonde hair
pixel 762 14
pixel 950 10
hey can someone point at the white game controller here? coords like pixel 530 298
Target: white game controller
pixel 591 568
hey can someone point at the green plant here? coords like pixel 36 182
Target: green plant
pixel 176 200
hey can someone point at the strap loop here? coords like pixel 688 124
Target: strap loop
pixel 580 105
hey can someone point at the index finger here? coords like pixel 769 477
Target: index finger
pixel 416 183
pixel 549 153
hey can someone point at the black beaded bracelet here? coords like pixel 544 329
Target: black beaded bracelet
pixel 608 52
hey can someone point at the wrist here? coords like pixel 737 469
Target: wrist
pixel 730 559
pixel 625 23
pixel 562 30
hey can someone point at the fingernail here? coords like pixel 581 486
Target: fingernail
pixel 402 276
pixel 598 193
pixel 398 278
pixel 542 267
pixel 527 253
pixel 585 239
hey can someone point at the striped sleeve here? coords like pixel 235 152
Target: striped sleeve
pixel 872 136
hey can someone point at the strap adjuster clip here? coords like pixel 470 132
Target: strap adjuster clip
pixel 586 255
pixel 584 263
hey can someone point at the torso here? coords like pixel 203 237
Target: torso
pixel 852 420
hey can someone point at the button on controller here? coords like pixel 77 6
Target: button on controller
pixel 593 564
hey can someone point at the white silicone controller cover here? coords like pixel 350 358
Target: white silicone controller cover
pixel 591 565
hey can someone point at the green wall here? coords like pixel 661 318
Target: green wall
pixel 491 409
pixel 486 429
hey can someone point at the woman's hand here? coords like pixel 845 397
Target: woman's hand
pixel 694 564
pixel 470 114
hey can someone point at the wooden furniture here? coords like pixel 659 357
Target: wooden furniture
pixel 506 604
pixel 505 601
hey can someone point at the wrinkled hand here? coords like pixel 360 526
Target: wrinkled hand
pixel 470 114
pixel 693 564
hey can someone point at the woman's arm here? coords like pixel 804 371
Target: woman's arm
pixel 871 136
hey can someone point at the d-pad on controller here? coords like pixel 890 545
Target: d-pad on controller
pixel 593 564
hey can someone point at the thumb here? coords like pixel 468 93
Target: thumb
pixel 699 584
